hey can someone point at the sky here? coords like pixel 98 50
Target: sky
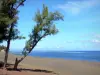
pixel 80 29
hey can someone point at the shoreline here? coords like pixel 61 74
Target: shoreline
pixel 74 59
pixel 60 66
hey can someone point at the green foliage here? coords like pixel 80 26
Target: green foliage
pixel 8 30
pixel 44 26
pixel 8 15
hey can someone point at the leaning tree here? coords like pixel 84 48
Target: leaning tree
pixel 44 26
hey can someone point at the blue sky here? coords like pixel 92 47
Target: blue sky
pixel 79 30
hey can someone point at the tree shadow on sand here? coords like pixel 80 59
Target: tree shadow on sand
pixel 9 68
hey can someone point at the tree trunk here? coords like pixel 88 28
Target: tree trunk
pixel 18 61
pixel 9 38
pixel 16 64
pixel 6 53
pixel 8 45
pixel 5 59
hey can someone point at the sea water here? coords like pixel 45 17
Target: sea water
pixel 68 55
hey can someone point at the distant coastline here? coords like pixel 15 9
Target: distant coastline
pixel 68 55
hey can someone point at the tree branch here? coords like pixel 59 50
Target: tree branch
pixel 32 47
pixel 11 15
pixel 20 4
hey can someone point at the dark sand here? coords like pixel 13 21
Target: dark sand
pixel 59 66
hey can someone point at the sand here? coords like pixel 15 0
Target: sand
pixel 58 66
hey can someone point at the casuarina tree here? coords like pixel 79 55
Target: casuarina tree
pixel 44 26
pixel 8 21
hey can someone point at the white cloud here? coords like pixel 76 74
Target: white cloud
pixel 96 41
pixel 75 7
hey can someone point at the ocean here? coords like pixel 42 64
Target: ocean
pixel 67 55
